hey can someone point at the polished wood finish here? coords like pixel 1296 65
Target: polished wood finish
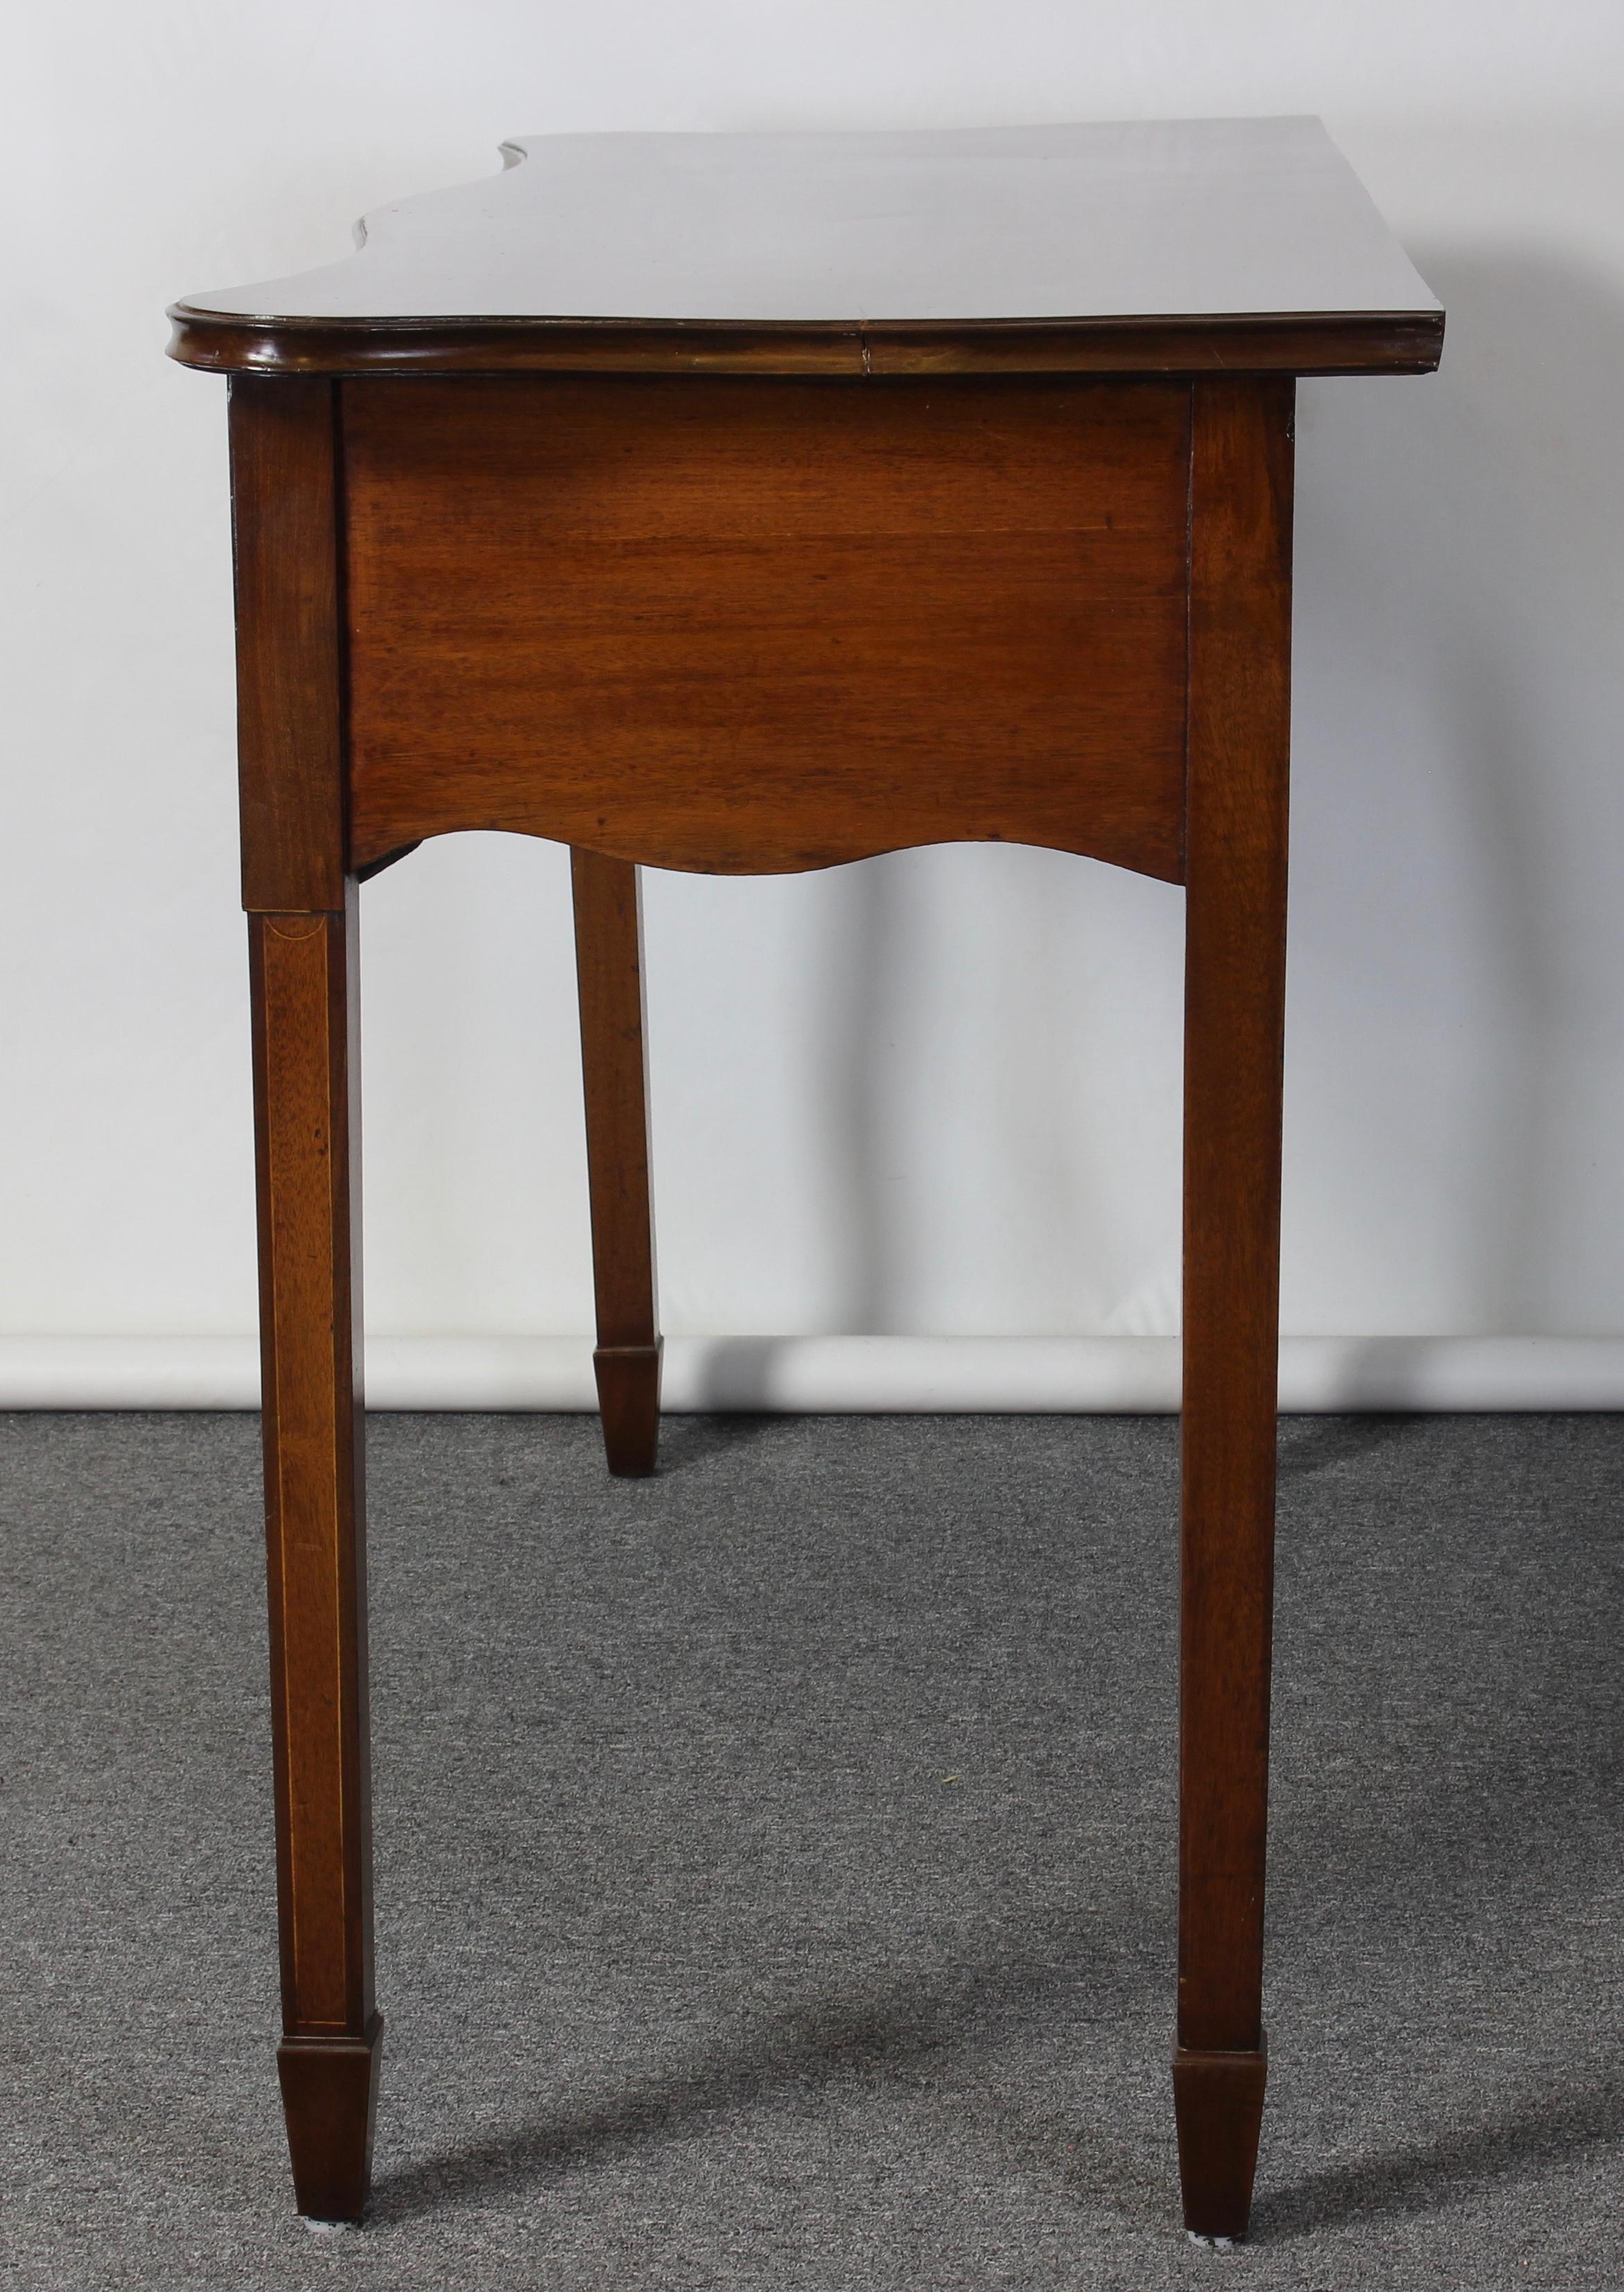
pixel 1182 246
pixel 740 628
pixel 303 972
pixel 1385 342
pixel 330 2106
pixel 765 550
pixel 615 1071
pixel 302 978
pixel 289 666
pixel 1235 1016
pixel 1218 2104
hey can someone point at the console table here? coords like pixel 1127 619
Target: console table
pixel 746 504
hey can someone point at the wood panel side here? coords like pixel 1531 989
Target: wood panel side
pixel 289 663
pixel 752 627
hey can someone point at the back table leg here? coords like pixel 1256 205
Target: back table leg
pixel 609 972
pixel 1240 626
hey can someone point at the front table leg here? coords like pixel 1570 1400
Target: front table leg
pixel 1239 629
pixel 303 979
pixel 609 975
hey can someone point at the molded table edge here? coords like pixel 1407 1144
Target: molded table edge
pixel 1315 343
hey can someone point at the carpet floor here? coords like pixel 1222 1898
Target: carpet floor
pixel 775 1860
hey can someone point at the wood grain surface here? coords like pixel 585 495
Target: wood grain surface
pixel 289 640
pixel 721 626
pixel 1234 1011
pixel 1388 342
pixel 302 957
pixel 303 982
pixel 330 2106
pixel 614 1072
pixel 1218 2103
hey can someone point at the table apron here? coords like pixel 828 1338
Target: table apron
pixel 750 627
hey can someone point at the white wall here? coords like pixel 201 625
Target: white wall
pixel 936 1093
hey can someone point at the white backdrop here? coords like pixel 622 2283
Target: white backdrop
pixel 936 1096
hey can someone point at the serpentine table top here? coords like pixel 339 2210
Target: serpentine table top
pixel 1175 246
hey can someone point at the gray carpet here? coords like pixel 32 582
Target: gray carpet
pixel 775 1860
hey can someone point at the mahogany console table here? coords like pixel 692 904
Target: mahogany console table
pixel 751 504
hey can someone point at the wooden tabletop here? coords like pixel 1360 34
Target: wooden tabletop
pixel 1188 246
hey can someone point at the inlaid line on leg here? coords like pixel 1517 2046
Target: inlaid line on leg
pixel 1235 875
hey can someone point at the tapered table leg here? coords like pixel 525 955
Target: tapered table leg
pixel 304 979
pixel 1234 1021
pixel 609 972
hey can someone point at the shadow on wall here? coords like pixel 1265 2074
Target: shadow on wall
pixel 1456 920
pixel 981 1009
pixel 1458 809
